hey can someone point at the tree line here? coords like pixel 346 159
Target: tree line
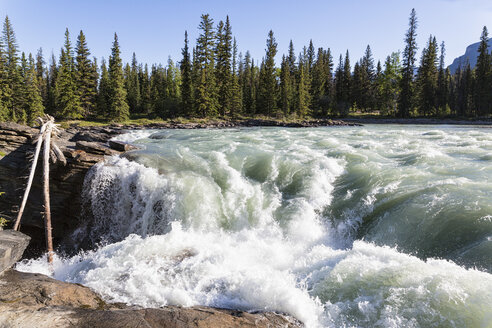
pixel 213 80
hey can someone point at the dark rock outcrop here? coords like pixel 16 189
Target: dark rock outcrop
pixel 35 300
pixel 12 246
pixel 16 148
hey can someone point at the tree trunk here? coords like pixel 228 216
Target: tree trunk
pixel 46 188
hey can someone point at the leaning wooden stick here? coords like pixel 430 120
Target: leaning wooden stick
pixel 46 189
pixel 31 175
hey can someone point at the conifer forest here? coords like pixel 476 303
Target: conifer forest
pixel 213 79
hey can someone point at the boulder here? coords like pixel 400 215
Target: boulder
pixel 12 246
pixel 120 146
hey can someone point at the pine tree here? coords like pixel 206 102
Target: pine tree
pixel 483 73
pixel 206 97
pixel 118 107
pixel 223 67
pixel 406 100
pixel 86 86
pixel 33 102
pixel 267 93
pixel 186 81
pixel 67 100
pixel 13 90
pixel 427 79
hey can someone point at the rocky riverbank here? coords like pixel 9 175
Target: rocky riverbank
pixel 35 300
pixel 83 147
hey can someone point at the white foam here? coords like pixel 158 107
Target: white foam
pixel 237 220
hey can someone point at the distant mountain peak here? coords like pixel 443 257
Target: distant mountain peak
pixel 470 56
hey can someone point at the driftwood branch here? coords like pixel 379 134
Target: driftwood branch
pixel 31 176
pixel 51 150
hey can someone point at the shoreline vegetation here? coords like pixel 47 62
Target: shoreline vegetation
pixel 189 123
pixel 214 81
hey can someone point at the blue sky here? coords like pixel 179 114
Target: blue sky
pixel 154 29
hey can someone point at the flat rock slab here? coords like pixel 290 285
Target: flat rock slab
pixel 35 300
pixel 12 246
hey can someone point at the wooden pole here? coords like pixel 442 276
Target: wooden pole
pixel 31 176
pixel 46 189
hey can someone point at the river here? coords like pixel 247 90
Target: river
pixel 374 226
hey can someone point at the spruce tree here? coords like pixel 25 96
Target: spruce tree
pixel 310 56
pixel 303 96
pixel 267 93
pixel 67 100
pixel 237 94
pixel 483 76
pixel 367 100
pixel 132 85
pixel 13 91
pixel 318 81
pixel 33 102
pixel 50 106
pixel 223 66
pixel 291 60
pixel 206 97
pixel 427 79
pixel 42 76
pixel 443 83
pixel 285 87
pixel 86 86
pixel 144 81
pixel 326 101
pixel 406 100
pixel 118 107
pixel 346 85
pixel 389 87
pixel 248 85
pixel 103 95
pixel 173 92
pixel 4 92
pixel 186 81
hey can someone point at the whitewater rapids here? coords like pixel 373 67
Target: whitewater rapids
pixel 381 226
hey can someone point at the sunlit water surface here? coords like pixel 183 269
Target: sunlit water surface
pixel 376 226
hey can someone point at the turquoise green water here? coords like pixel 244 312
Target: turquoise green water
pixel 376 226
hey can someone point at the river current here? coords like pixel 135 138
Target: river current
pixel 375 226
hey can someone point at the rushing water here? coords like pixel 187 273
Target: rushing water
pixel 379 226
